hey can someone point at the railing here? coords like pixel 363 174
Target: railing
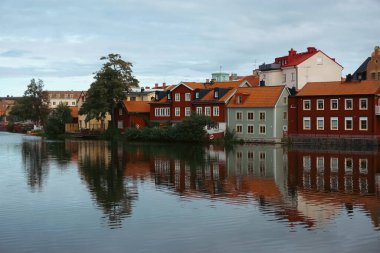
pixel 377 109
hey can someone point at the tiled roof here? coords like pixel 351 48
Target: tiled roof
pixel 137 106
pixel 194 85
pixel 266 96
pixel 53 93
pixel 209 97
pixel 362 68
pixel 254 80
pixel 339 88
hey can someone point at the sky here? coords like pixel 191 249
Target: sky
pixel 61 41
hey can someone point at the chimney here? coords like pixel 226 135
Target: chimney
pixel 207 80
pixel 292 52
pixel 262 83
pixel 311 50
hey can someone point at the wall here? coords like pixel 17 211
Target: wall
pixel 272 78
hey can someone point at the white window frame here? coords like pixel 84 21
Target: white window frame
pixel 332 102
pixel 360 123
pixel 334 166
pixel 345 104
pixel 366 104
pixel 347 168
pixel 207 111
pixel 363 169
pixel 323 123
pixel 199 110
pixel 250 126
pixel 265 129
pixel 323 104
pixel 237 115
pixel 345 123
pixel 304 105
pixel 262 119
pixel 215 111
pixel 177 111
pixel 331 123
pixel 187 111
pixel 304 125
pixel 187 97
pixel 321 166
pixel 177 97
pixel 253 115
pixel 239 126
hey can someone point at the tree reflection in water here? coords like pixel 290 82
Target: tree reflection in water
pixel 102 170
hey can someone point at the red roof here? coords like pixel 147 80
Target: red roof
pixel 137 106
pixel 364 87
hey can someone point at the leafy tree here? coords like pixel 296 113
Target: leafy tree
pixel 33 105
pixel 57 120
pixel 113 79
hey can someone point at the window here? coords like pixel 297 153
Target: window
pixel 250 129
pixel 348 123
pixel 239 129
pixel 334 164
pixel 320 104
pixel 54 103
pixel 71 95
pixel 334 104
pixel 306 163
pixel 169 96
pixel 306 123
pixel 216 94
pixel 120 111
pixel 373 76
pixel 187 97
pixel 239 99
pixel 177 97
pixel 250 155
pixel 157 112
pixel 66 95
pixel 250 116
pixel 285 116
pixel 177 111
pixel 187 111
pixel 363 104
pixel 293 75
pixel 239 115
pixel 320 164
pixel 320 123
pixel 348 164
pixel 262 129
pixel 199 110
pixel 306 105
pixel 334 123
pixel 262 116
pixel 363 163
pixel 208 111
pixel 348 104
pixel 72 103
pixel 197 94
pixel 216 110
pixel 167 111
pixel 120 124
pixel 363 123
pixel 284 78
pixel 285 99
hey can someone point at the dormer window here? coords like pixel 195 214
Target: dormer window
pixel 156 97
pixel 197 95
pixel 216 94
pixel 239 99
pixel 169 96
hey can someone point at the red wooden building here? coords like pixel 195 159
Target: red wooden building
pixel 131 114
pixel 210 99
pixel 336 110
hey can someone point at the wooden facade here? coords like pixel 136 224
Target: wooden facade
pixel 131 114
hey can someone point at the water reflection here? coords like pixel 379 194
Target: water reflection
pixel 300 188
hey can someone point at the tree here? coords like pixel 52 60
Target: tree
pixel 113 79
pixel 57 120
pixel 33 105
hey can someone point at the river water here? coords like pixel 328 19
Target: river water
pixel 94 196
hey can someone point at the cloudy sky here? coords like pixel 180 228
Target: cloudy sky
pixel 61 41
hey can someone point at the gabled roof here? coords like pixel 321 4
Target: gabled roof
pixel 266 96
pixel 365 87
pixel 137 106
pixel 254 80
pixel 224 95
pixel 362 68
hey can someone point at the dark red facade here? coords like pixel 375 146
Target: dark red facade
pixel 125 119
pixel 297 114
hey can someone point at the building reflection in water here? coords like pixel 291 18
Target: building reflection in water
pixel 299 187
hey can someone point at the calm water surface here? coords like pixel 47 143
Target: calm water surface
pixel 91 196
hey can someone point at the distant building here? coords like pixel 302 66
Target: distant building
pixel 68 98
pixel 220 77
pixel 297 69
pixel 140 94
pixel 131 114
pixel 373 66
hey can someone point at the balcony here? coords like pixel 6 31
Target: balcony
pixel 377 109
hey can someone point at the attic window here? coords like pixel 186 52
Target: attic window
pixel 216 94
pixel 197 94
pixel 169 96
pixel 156 97
pixel 239 99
